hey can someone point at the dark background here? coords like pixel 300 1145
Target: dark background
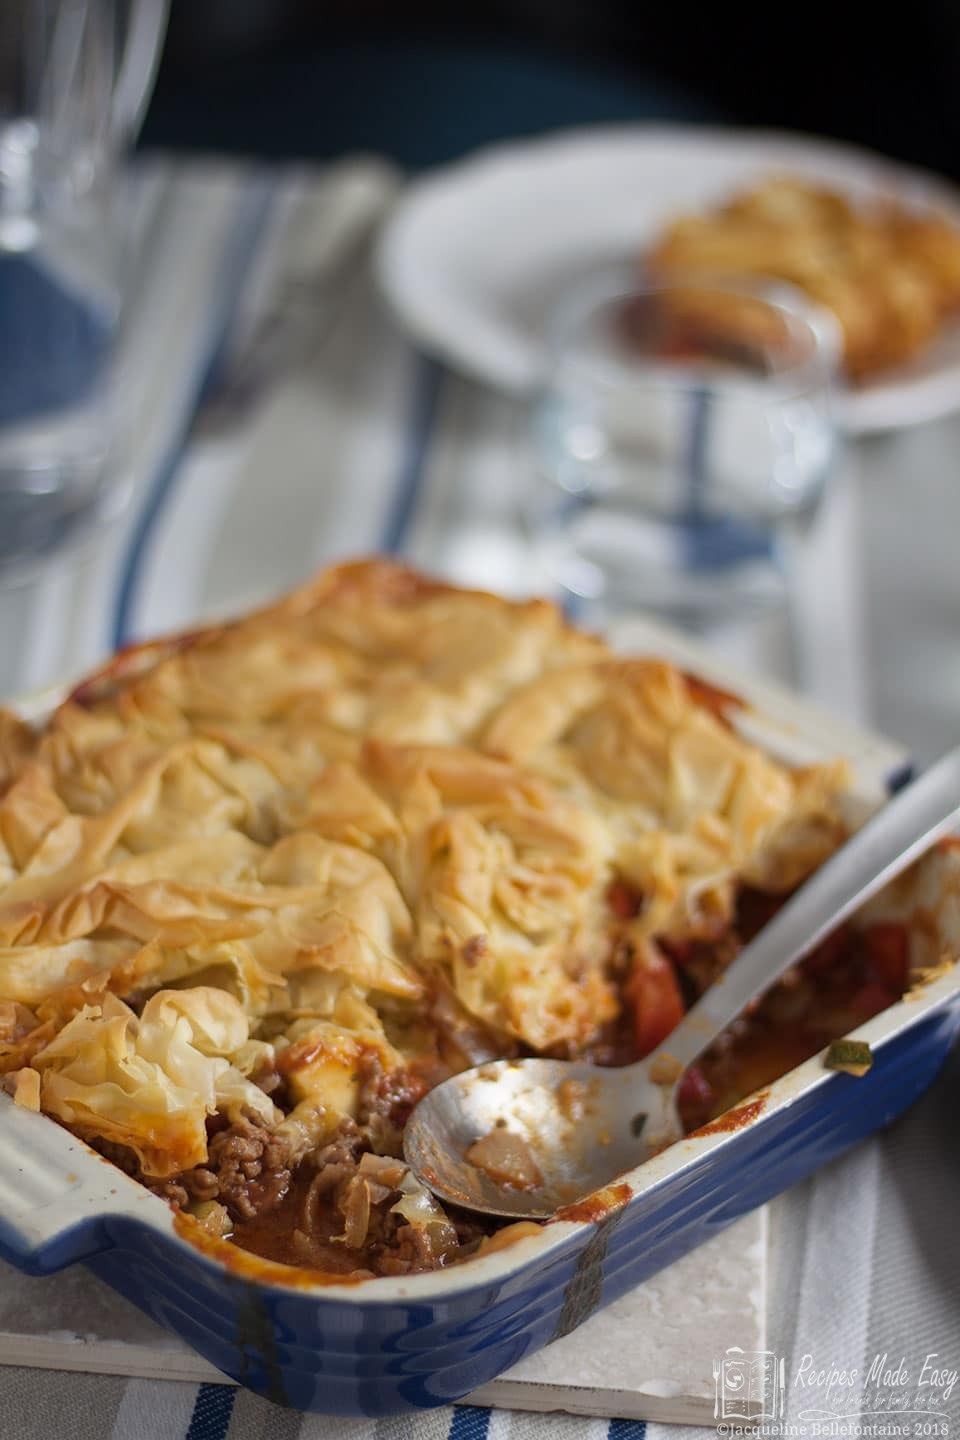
pixel 423 82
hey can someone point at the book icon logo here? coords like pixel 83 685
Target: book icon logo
pixel 748 1385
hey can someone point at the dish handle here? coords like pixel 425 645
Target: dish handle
pixel 57 1196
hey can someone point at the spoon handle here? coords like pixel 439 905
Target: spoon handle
pixel 878 852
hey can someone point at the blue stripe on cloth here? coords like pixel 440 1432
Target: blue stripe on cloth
pixel 428 382
pixel 211 1412
pixel 627 1430
pixel 247 229
pixel 470 1422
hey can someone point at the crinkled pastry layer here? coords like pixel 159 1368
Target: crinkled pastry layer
pixel 375 824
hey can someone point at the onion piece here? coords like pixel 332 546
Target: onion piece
pixel 421 1210
pixel 355 1206
pixel 507 1159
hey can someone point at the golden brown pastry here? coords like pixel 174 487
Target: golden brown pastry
pixel 890 277
pixel 374 825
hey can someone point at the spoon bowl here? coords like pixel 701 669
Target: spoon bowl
pixel 524 1138
pixel 577 1127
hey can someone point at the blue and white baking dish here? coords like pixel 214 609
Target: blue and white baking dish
pixel 379 1346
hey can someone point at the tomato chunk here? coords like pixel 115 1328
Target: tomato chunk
pixel 654 992
pixel 829 953
pixel 888 954
pixel 694 1089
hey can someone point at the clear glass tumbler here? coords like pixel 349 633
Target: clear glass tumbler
pixel 682 431
pixel 74 78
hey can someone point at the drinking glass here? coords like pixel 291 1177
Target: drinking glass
pixel 683 432
pixel 74 79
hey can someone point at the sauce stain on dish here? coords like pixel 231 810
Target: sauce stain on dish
pixel 734 1119
pixel 598 1206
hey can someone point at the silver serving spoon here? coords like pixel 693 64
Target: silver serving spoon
pixel 579 1126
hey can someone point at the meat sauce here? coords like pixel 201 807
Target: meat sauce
pixel 280 1235
pixel 345 1190
pixel 850 977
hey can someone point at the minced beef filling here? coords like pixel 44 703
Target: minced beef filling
pixel 248 1170
pixel 384 1103
pixel 340 1215
pixel 337 1209
pixel 350 1207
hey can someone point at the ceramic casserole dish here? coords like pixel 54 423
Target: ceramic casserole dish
pixel 383 1345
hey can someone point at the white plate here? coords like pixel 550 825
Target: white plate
pixel 477 254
